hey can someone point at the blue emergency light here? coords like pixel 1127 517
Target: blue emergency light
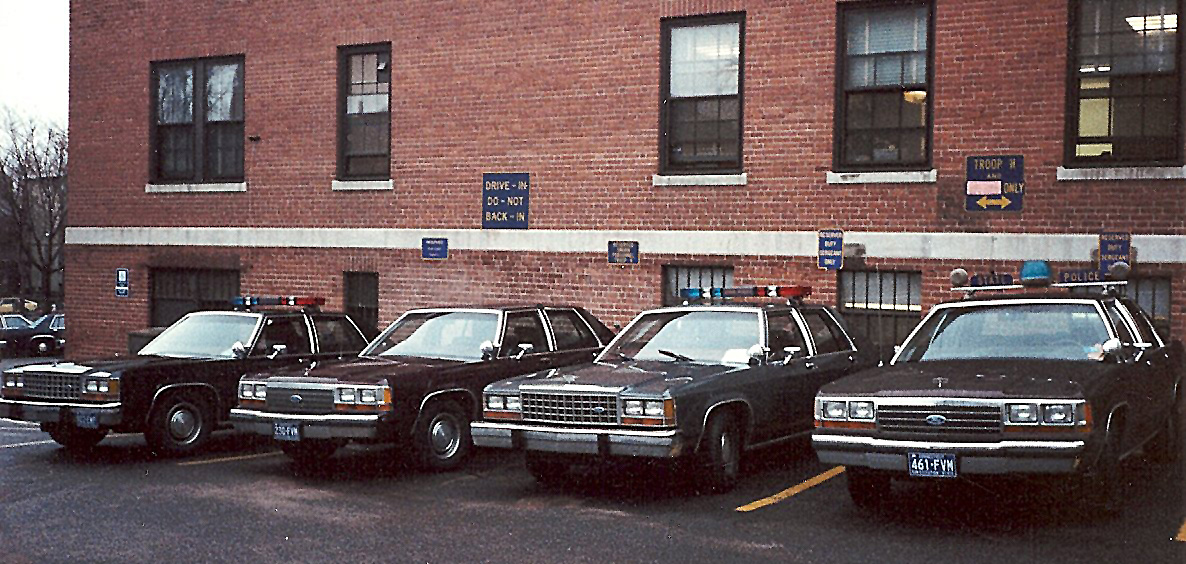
pixel 1035 273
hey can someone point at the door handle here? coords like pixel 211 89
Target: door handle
pixel 809 365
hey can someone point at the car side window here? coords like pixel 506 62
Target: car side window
pixel 337 335
pixel 524 327
pixel 58 322
pixel 289 331
pixel 784 332
pixel 1144 326
pixel 1123 331
pixel 827 335
pixel 570 331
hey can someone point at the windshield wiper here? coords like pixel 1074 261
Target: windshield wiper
pixel 676 356
pixel 622 356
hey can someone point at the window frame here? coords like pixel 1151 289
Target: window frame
pixel 666 167
pixel 1071 125
pixel 840 107
pixel 198 121
pixel 343 94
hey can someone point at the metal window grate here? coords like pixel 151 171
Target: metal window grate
pixel 883 305
pixel 677 277
pixel 362 301
pixel 570 408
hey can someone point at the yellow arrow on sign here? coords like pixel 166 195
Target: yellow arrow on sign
pixel 985 201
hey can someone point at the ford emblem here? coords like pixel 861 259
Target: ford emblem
pixel 936 420
pixel 599 410
pixel 295 398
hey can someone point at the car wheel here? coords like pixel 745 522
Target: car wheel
pixel 179 424
pixel 1167 445
pixel 1102 486
pixel 546 468
pixel 867 488
pixel 442 438
pixel 722 453
pixel 74 438
pixel 309 452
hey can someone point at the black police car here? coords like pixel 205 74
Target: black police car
pixel 182 384
pixel 418 383
pixel 704 382
pixel 1032 384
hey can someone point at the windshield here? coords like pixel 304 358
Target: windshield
pixel 454 335
pixel 1058 331
pixel 710 337
pixel 204 336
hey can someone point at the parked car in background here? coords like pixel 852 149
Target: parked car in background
pixel 182 384
pixel 45 336
pixel 14 331
pixel 1032 384
pixel 703 382
pixel 418 383
pixel 17 305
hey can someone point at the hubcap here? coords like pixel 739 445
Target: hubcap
pixel 184 424
pixel 445 436
pixel 728 453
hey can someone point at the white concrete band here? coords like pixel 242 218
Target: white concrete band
pixel 959 246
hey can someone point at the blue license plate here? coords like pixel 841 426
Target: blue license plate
pixel 86 419
pixel 932 465
pixel 286 431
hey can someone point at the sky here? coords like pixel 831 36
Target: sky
pixel 34 58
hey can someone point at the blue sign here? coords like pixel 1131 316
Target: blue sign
pixel 1114 247
pixel 434 248
pixel 504 200
pixel 995 183
pixel 122 284
pixel 831 249
pixel 1079 276
pixel 990 279
pixel 623 252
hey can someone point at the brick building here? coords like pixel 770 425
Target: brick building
pixel 264 147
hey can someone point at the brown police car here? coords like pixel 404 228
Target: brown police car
pixel 418 383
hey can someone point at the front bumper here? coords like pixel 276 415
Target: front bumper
pixel 993 457
pixel 329 426
pixel 667 443
pixel 107 414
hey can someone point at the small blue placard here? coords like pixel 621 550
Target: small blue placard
pixel 831 249
pixel 122 292
pixel 623 252
pixel 505 199
pixel 1114 247
pixel 995 183
pixel 434 248
pixel 122 283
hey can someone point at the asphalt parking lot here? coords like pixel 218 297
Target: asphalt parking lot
pixel 241 500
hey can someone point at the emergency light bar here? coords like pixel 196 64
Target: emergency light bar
pixel 793 292
pixel 249 301
pixel 1033 274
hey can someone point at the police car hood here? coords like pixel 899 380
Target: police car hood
pixel 112 365
pixel 644 377
pixel 980 378
pixel 362 370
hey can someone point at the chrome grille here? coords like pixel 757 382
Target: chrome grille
pixel 49 385
pixel 312 400
pixel 971 419
pixel 565 407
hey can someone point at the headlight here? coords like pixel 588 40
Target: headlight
pixel 367 395
pixel 634 407
pixel 261 391
pixel 92 386
pixel 514 404
pixel 1058 414
pixel 347 395
pixel 860 410
pixel 835 409
pixel 653 409
pixel 245 391
pixel 1023 413
pixel 495 402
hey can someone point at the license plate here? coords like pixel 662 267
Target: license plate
pixel 286 431
pixel 932 465
pixel 86 419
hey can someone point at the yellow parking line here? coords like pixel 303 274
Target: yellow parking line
pixel 1181 533
pixel 228 459
pixel 26 444
pixel 793 490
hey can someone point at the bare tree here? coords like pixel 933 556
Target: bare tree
pixel 33 157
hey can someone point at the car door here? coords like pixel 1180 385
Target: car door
pixel 1157 361
pixel 833 354
pixel 783 385
pixel 1137 384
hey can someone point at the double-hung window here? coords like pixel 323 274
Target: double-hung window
pixel 1124 84
pixel 364 112
pixel 884 87
pixel 701 85
pixel 197 121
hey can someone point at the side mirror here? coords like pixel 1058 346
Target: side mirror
pixel 791 354
pixel 277 350
pixel 487 349
pixel 757 355
pixel 524 349
pixel 1111 347
pixel 239 350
